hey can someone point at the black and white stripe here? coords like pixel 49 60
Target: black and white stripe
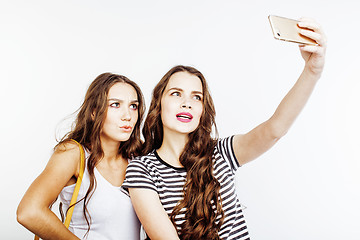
pixel 153 173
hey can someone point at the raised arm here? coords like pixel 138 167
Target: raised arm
pixel 254 143
pixel 152 215
pixel 33 211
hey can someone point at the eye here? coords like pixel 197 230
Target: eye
pixel 134 106
pixel 115 104
pixel 177 94
pixel 197 97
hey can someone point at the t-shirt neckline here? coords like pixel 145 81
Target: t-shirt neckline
pixel 167 164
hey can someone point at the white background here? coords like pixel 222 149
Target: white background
pixel 306 187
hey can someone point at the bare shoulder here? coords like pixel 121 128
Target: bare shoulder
pixel 67 156
pixel 67 149
pixel 61 170
pixel 67 146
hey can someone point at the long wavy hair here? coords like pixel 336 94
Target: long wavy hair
pixel 202 201
pixel 89 122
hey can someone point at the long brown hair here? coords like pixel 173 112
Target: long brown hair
pixel 89 122
pixel 202 189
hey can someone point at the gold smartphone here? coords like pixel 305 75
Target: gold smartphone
pixel 286 29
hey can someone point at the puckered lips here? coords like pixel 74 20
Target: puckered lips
pixel 126 128
pixel 184 117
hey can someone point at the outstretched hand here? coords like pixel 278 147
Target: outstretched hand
pixel 314 55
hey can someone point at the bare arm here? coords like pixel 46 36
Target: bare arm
pixel 152 215
pixel 33 211
pixel 254 143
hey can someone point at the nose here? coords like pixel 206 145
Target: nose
pixel 186 104
pixel 126 116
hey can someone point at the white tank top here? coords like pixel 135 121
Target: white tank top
pixel 110 208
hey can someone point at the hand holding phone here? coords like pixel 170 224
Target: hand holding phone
pixel 287 29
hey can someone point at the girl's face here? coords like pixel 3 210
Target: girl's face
pixel 182 103
pixel 122 113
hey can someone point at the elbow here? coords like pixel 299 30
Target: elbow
pixel 22 215
pixel 276 131
pixel 278 134
pixel 25 215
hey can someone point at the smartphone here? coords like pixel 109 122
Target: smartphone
pixel 286 29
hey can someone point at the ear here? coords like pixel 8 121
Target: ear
pixel 93 116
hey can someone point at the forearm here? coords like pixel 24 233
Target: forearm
pixel 254 143
pixel 45 224
pixel 292 104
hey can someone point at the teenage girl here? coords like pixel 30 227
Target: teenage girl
pixel 184 187
pixel 108 128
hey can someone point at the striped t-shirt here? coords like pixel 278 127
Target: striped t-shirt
pixel 153 173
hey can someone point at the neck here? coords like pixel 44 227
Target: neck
pixel 110 149
pixel 172 147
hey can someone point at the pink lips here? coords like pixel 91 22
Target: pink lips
pixel 126 128
pixel 184 117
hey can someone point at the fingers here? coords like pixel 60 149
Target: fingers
pixel 310 48
pixel 309 23
pixel 317 37
pixel 313 30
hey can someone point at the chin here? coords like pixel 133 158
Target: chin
pixel 187 130
pixel 123 138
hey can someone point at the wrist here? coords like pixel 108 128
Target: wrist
pixel 312 73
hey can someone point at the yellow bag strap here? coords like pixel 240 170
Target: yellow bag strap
pixel 77 188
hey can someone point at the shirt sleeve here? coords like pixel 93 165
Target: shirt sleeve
pixel 138 176
pixel 225 148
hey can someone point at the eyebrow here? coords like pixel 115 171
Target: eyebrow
pixel 119 100
pixel 179 89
